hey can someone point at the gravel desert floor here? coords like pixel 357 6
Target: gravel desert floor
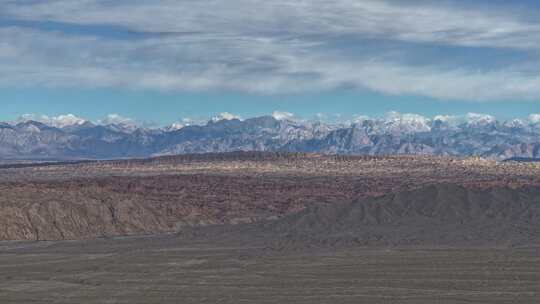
pixel 166 269
pixel 271 228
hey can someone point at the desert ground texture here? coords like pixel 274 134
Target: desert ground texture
pixel 270 228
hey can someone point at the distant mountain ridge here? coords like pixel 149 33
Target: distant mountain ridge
pixel 523 159
pixel 472 135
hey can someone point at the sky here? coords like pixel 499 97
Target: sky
pixel 163 61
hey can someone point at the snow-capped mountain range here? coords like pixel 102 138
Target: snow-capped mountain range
pixel 72 137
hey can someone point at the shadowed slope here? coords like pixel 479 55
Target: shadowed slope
pixel 443 214
pixel 435 215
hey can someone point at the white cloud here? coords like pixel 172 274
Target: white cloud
pixel 251 65
pixel 7 51
pixel 432 81
pixel 266 47
pixel 390 19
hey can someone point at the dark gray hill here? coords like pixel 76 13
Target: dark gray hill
pixel 446 215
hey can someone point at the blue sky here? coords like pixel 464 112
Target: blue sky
pixel 161 61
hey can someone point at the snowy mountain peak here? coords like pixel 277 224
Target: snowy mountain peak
pixel 358 119
pixel 515 123
pixel 279 115
pixel 406 122
pixel 119 123
pixel 470 119
pixel 67 120
pixel 445 118
pixel 477 119
pixel 60 121
pixel 31 126
pixel 394 133
pixel 175 126
pixel 224 116
pixel 534 119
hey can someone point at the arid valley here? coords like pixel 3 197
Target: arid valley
pixel 259 227
pixel 269 151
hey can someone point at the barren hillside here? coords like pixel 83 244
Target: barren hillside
pixel 108 198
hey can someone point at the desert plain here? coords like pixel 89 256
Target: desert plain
pixel 270 228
